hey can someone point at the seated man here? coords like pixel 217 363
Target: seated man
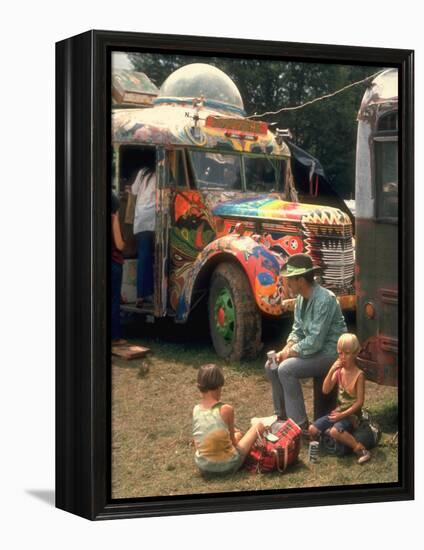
pixel 312 344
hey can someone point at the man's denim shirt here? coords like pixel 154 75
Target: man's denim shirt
pixel 321 326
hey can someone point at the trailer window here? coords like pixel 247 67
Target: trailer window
pixel 264 174
pixel 216 171
pixel 386 168
pixel 386 165
pixel 388 122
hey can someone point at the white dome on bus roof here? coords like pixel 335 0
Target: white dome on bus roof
pixel 199 79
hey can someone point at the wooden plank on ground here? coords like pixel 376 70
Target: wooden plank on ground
pixel 130 352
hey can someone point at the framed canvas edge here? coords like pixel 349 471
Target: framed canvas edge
pixel 82 417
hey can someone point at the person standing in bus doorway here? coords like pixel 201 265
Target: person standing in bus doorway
pixel 311 347
pixel 144 188
pixel 118 245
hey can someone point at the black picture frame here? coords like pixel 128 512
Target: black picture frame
pixel 82 337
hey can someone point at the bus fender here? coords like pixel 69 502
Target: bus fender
pixel 261 266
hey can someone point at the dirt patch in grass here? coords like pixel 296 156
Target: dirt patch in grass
pixel 152 402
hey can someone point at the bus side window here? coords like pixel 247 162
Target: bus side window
pixel 386 167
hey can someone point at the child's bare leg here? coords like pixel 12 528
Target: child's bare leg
pixel 347 439
pixel 246 442
pixel 313 431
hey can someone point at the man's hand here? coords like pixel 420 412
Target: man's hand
pixel 286 352
pixel 281 355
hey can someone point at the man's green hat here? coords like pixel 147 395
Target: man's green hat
pixel 297 265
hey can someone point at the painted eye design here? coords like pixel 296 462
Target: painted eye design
pixel 293 244
pixel 265 278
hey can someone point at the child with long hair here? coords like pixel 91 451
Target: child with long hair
pixel 350 380
pixel 220 447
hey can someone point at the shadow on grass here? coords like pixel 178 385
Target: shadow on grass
pixel 191 343
pixel 243 474
pixel 168 338
pixel 141 365
pixel 387 416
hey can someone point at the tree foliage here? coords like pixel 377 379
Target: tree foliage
pixel 326 129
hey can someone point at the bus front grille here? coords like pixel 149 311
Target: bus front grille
pixel 331 248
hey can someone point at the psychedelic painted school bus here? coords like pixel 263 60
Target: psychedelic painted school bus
pixel 377 229
pixel 227 215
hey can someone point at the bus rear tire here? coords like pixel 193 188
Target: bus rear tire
pixel 234 319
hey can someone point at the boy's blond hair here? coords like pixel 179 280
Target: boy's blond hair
pixel 348 343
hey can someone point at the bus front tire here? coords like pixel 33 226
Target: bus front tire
pixel 234 319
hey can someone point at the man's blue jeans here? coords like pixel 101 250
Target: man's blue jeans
pixel 287 391
pixel 145 248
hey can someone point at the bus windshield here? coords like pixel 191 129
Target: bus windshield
pixel 217 171
pixel 264 174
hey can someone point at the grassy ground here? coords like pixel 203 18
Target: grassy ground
pixel 152 401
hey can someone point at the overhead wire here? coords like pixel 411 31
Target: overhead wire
pixel 315 100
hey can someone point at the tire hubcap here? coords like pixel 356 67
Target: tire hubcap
pixel 224 315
